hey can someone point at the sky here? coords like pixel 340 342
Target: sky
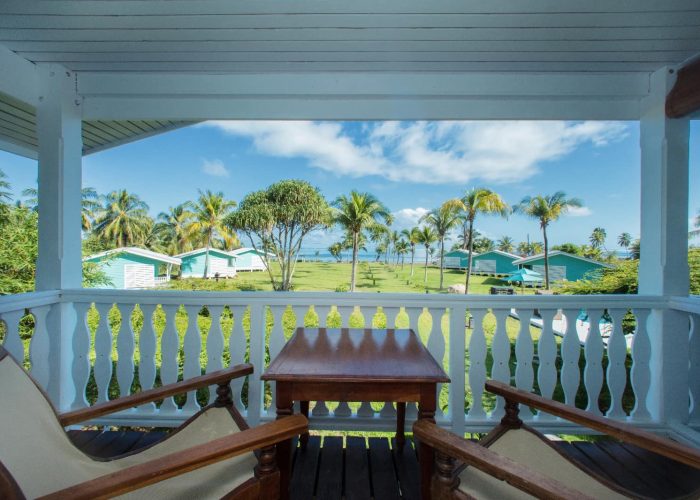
pixel 411 167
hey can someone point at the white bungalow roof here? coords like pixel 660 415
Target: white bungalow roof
pixel 198 251
pixel 498 252
pixel 525 260
pixel 241 250
pixel 141 252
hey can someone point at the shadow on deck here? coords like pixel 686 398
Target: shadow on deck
pixel 358 468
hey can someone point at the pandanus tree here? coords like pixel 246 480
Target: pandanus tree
pixel 209 212
pixel 356 213
pixel 475 201
pixel 442 220
pixel 123 220
pixel 546 209
pixel 426 237
pixel 412 238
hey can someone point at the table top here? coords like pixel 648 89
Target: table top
pixel 354 355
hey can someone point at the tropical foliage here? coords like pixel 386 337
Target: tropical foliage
pixel 547 209
pixel 442 220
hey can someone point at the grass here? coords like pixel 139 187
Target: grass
pixel 322 276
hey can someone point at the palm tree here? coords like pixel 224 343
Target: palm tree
pixel 209 212
pixel 624 240
pixel 505 244
pixel 475 201
pixel 394 238
pixel 336 250
pixel 426 237
pixel 412 238
pixel 5 194
pixel 123 219
pixel 597 237
pixel 355 213
pixel 402 248
pixel 696 223
pixel 547 209
pixel 442 220
pixel 90 204
pixel 377 235
pixel 173 227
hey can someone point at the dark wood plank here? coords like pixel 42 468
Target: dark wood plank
pixel 684 477
pixel 303 479
pixel 407 469
pixel 81 438
pixel 330 469
pixel 384 482
pixel 617 472
pixel 104 439
pixel 357 484
pixel 148 439
pixel 655 476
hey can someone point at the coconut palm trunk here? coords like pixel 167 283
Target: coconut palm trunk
pixel 413 255
pixel 471 251
pixel 206 257
pixel 442 260
pixel 425 269
pixel 546 257
pixel 354 261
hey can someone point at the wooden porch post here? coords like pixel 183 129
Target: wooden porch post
pixel 59 263
pixel 663 266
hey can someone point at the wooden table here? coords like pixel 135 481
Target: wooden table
pixel 320 364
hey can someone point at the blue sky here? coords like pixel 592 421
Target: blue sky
pixel 410 166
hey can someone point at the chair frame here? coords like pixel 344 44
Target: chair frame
pixel 449 448
pixel 262 440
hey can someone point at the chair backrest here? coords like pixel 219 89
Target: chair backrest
pixel 34 448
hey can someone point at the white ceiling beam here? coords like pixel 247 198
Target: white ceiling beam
pixel 364 84
pixel 182 7
pixel 19 78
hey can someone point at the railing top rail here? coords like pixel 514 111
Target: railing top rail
pixel 690 304
pixel 18 301
pixel 173 297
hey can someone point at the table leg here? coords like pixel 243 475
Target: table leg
pixel 304 406
pixel 400 423
pixel 426 455
pixel 284 449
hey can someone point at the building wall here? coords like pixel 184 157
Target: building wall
pixel 113 267
pixel 503 264
pixel 456 260
pixel 576 269
pixel 193 265
pixel 246 261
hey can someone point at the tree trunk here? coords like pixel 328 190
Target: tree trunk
pixel 354 261
pixel 206 258
pixel 413 255
pixel 546 258
pixel 425 271
pixel 442 259
pixel 469 262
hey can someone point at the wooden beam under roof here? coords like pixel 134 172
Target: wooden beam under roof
pixel 684 97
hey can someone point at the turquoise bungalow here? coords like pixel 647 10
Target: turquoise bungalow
pixel 221 263
pixel 562 266
pixel 494 262
pixel 250 259
pixel 457 259
pixel 132 267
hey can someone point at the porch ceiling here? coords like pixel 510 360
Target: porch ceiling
pixel 363 35
pixel 18 129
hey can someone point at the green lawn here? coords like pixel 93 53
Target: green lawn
pixel 332 276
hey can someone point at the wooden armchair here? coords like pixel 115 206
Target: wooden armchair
pixel 516 461
pixel 209 456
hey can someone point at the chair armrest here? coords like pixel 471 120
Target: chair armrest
pixel 491 463
pixel 163 468
pixel 623 432
pixel 100 409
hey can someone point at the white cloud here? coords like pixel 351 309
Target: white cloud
pixel 408 217
pixel 427 152
pixel 579 212
pixel 214 167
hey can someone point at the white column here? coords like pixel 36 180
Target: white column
pixel 59 263
pixel 663 266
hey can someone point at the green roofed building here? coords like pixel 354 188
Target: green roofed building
pixel 133 267
pixel 494 262
pixel 562 266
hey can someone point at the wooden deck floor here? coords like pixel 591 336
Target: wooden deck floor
pixel 359 468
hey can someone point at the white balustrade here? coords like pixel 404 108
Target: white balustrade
pixel 168 346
